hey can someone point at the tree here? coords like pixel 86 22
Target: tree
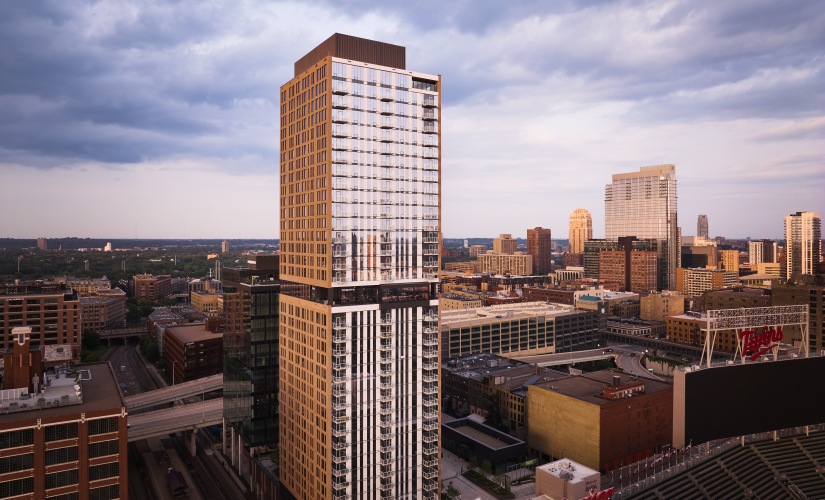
pixel 91 340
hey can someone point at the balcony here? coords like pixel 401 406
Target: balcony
pixel 339 87
pixel 430 437
pixel 385 474
pixel 429 378
pixel 339 432
pixel 430 473
pixel 431 318
pixel 430 338
pixel 340 117
pixel 385 398
pixel 429 115
pixel 385 347
pixel 386 321
pixel 430 129
pixel 429 101
pixel 430 353
pixel 429 389
pixel 385 386
pixel 430 276
pixel 339 267
pixel 340 253
pixel 386 448
pixel 339 102
pixel 339 459
pixel 430 426
pixel 385 410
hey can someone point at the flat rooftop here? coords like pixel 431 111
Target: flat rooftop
pixel 507 312
pixel 96 390
pixel 192 333
pixel 589 387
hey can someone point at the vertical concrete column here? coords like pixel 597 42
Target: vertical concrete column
pixel 223 436
pixel 232 446
pixel 193 445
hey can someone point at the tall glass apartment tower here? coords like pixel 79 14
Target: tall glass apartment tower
pixel 643 204
pixel 803 240
pixel 360 220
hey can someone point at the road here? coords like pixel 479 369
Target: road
pixel 629 359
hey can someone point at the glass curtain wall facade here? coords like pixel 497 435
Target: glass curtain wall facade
pixel 360 222
pixel 643 204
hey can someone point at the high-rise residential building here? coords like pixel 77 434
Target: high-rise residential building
pixel 519 264
pixel 505 244
pixel 225 246
pixel 581 229
pixel 702 226
pixel 643 204
pixel 762 251
pixel 359 227
pixel 803 243
pixel 540 246
pixel 42 244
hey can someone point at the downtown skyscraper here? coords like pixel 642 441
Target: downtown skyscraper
pixel 643 204
pixel 359 223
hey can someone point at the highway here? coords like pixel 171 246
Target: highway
pixel 175 419
pixel 173 393
pixel 565 358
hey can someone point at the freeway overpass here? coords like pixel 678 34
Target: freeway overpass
pixel 180 418
pixel 565 358
pixel 173 393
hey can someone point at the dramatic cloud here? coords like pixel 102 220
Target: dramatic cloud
pixel 177 102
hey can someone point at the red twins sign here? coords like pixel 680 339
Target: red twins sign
pixel 758 343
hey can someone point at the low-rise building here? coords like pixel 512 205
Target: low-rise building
pixel 194 351
pixel 453 302
pixel 209 303
pixel 151 287
pixel 103 310
pixel 695 281
pixel 525 328
pixel 52 310
pixel 657 306
pixel 603 420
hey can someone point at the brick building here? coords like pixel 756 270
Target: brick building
pixel 67 439
pixel 194 351
pixel 540 246
pixel 52 310
pixel 602 420
pixel 104 310
pixel 151 287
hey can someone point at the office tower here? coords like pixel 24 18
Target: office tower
pixel 359 225
pixel 643 204
pixel 581 229
pixel 702 226
pixel 250 376
pixel 505 244
pixel 762 251
pixel 540 246
pixel 803 240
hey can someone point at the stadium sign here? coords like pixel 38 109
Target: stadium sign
pixel 757 343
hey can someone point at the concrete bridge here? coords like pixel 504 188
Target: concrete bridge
pixel 192 388
pixel 181 418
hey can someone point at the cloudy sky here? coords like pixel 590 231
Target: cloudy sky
pixel 160 119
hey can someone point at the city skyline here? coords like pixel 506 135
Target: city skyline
pixel 125 116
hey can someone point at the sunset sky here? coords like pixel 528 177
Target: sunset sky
pixel 127 119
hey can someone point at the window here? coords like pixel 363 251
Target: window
pixel 61 455
pixel 63 478
pixel 14 439
pixel 61 431
pixel 16 463
pixel 112 469
pixel 105 493
pixel 103 448
pixel 65 496
pixel 16 487
pixel 103 426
